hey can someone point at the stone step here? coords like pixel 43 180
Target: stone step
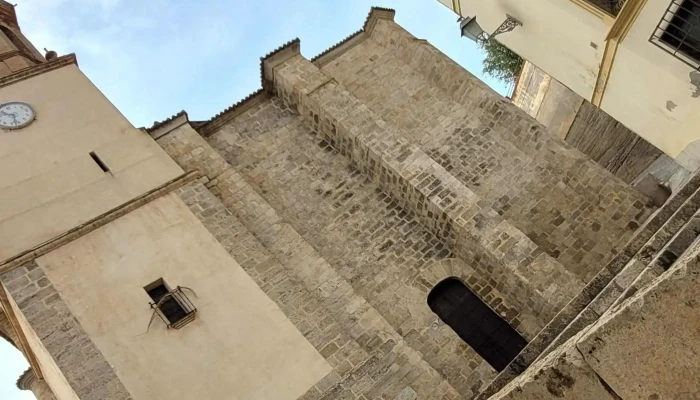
pixel 609 284
pixel 665 258
pixel 601 303
pixel 641 349
pixel 655 257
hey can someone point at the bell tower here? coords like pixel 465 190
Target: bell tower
pixel 16 52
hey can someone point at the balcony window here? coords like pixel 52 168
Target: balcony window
pixel 173 306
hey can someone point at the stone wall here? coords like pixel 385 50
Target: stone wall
pixel 643 348
pixel 367 353
pixel 569 206
pixel 360 229
pixel 367 360
pixel 86 370
pixel 407 320
pixel 476 233
pixel 370 192
pixel 610 143
pixel 369 177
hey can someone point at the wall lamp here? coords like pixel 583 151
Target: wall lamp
pixel 471 29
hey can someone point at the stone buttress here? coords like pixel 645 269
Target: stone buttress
pixel 358 180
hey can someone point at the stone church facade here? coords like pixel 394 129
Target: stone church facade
pixel 303 239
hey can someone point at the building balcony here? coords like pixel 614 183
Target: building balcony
pixel 611 7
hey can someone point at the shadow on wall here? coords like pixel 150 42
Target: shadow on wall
pixel 598 135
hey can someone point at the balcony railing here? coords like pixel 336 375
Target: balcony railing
pixel 611 7
pixel 175 309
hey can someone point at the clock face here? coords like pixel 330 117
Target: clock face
pixel 15 115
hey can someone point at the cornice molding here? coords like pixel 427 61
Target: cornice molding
pixel 275 58
pixel 339 48
pixel 375 14
pixel 13 53
pixel 152 130
pixel 38 69
pixel 229 114
pixel 89 226
pixel 26 380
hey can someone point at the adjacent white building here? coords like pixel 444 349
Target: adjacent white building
pixel 636 59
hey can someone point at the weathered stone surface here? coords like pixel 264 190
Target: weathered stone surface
pixel 352 185
pixel 563 374
pixel 367 357
pixel 492 147
pixel 610 143
pixel 81 362
pixel 639 250
pixel 332 164
pixel 643 348
pixel 646 347
pixel 372 175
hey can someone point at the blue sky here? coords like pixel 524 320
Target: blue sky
pixel 154 58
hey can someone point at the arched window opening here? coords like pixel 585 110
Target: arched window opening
pixel 476 323
pixel 19 44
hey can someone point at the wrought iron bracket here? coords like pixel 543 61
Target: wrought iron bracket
pixel 508 25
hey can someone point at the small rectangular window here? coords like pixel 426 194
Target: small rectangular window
pixel 173 306
pixel 99 162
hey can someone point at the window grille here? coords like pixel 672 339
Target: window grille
pixel 172 306
pixel 678 31
pixel 475 323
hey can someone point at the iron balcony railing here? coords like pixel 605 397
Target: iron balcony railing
pixel 174 308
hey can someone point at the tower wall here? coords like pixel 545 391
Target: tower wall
pixel 48 181
pixel 367 351
pixel 87 305
pixel 322 162
pixel 7 14
pixel 16 52
pixel 577 212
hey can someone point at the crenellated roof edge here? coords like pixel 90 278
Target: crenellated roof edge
pixel 267 64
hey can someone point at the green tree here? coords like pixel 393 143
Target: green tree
pixel 500 62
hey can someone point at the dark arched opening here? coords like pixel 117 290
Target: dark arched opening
pixel 475 322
